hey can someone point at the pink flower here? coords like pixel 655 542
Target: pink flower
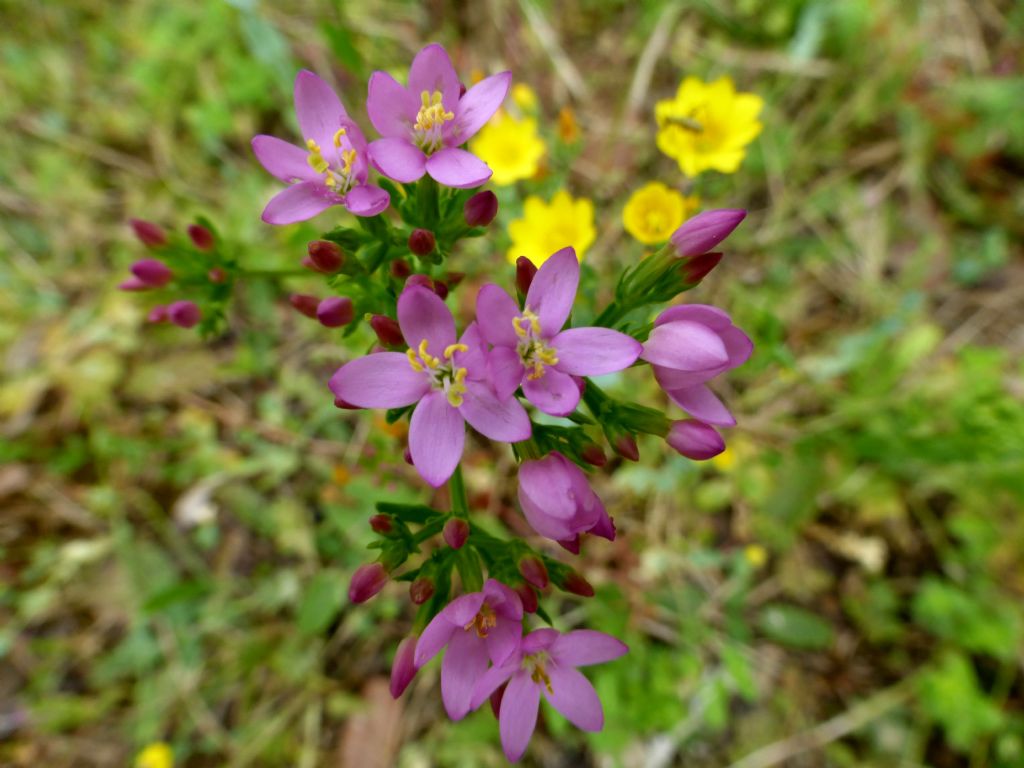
pixel 331 169
pixel 530 347
pixel 559 503
pixel 689 346
pixel 704 231
pixel 695 439
pixel 424 124
pixel 184 313
pixel 546 664
pixel 448 380
pixel 403 668
pixel 477 627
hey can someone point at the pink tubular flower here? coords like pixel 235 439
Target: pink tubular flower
pixel 704 231
pixel 331 169
pixel 185 314
pixel 403 668
pixel 475 627
pixel 695 439
pixel 530 347
pixel 424 124
pixel 689 346
pixel 448 380
pixel 546 664
pixel 559 503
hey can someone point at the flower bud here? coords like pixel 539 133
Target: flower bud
pixel 706 230
pixel 400 269
pixel 441 289
pixel 184 313
pixel 389 333
pixel 421 590
pixel 403 668
pixel 527 596
pixel 217 275
pixel 695 439
pixel 532 569
pixel 304 303
pixel 407 456
pixel 452 279
pixel 381 523
pixel 455 532
pixel 481 209
pixel 326 256
pixel 152 272
pixel 335 311
pixel 525 270
pixel 345 406
pixel 308 264
pixel 202 238
pixel 593 455
pixel 577 585
pixel 626 447
pixel 571 545
pixel 696 268
pixel 157 314
pixel 152 235
pixel 422 242
pixel 367 581
pixel 133 284
pixel 421 280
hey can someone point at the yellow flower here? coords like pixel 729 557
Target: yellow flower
pixel 549 227
pixel 707 126
pixel 511 147
pixel 524 97
pixel 755 554
pixel 155 755
pixel 655 211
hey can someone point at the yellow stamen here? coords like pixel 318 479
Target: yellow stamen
pixel 540 674
pixel 484 621
pixel 337 137
pixel 451 349
pixel 428 360
pixel 416 366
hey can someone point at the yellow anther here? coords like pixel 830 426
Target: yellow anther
pixel 337 136
pixel 485 620
pixel 451 349
pixel 413 361
pixel 547 355
pixel 312 145
pixel 540 675
pixel 520 331
pixel 348 157
pixel 428 360
pixel 460 375
pixel 432 112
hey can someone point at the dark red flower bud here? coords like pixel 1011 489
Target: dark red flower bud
pixel 217 275
pixel 593 455
pixel 462 89
pixel 305 303
pixel 571 545
pixel 184 314
pixel 335 311
pixel 422 280
pixel 381 523
pixel 421 590
pixel 400 269
pixel 152 272
pixel 532 569
pixel 441 289
pixel 367 581
pixel 152 235
pixel 626 447
pixel 308 264
pixel 452 279
pixel 527 596
pixel 133 284
pixel 455 532
pixel 157 314
pixel 696 268
pixel 326 256
pixel 422 242
pixel 388 331
pixel 525 270
pixel 577 585
pixel 480 209
pixel 202 238
pixel 339 403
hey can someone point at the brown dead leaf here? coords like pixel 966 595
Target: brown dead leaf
pixel 371 738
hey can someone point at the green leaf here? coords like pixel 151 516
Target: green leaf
pixel 795 627
pixel 321 601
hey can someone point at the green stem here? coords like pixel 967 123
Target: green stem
pixel 457 491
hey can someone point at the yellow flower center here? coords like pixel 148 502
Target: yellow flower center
pixel 443 372
pixel 430 120
pixel 338 178
pixel 533 352
pixel 536 663
pixel 484 621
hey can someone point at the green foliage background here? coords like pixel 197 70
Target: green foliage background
pixel 179 520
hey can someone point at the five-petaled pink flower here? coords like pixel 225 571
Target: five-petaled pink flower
pixel 424 124
pixel 331 169
pixel 448 380
pixel 689 346
pixel 477 627
pixel 559 503
pixel 530 347
pixel 546 664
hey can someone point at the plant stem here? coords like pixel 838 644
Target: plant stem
pixel 272 272
pixel 457 491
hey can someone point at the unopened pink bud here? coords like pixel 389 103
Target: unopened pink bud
pixel 335 311
pixel 389 333
pixel 706 230
pixel 304 303
pixel 367 581
pixel 696 268
pixel 527 596
pixel 421 280
pixel 403 668
pixel 400 269
pixel 593 455
pixel 326 256
pixel 455 532
pixel 202 238
pixel 421 590
pixel 525 270
pixel 695 439
pixel 152 235
pixel 217 275
pixel 422 242
pixel 626 447
pixel 157 314
pixel 152 272
pixel 532 569
pixel 577 585
pixel 481 209
pixel 184 313
pixel 441 289
pixel 133 284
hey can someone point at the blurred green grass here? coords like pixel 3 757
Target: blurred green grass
pixel 179 520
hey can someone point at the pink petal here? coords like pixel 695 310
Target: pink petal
pixel 685 346
pixel 431 71
pixel 298 202
pixel 437 434
pixel 457 168
pixel 490 680
pixel 583 647
pixel 435 637
pixel 474 359
pixel 398 159
pixel 555 392
pixel 594 351
pixel 553 290
pixel 503 600
pixel 479 104
pixel 503 420
pixel 670 378
pixel 504 370
pixel 283 160
pixel 464 663
pixel 391 108
pixel 695 439
pixel 495 312
pixel 705 314
pixel 701 403
pixel 380 380
pixel 574 696
pixel 367 200
pixel 546 497
pixel 318 108
pixel 503 640
pixel 518 715
pixel 462 610
pixel 539 640
pixel 738 345
pixel 423 315
pixel 706 230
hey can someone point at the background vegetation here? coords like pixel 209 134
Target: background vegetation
pixel 179 519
